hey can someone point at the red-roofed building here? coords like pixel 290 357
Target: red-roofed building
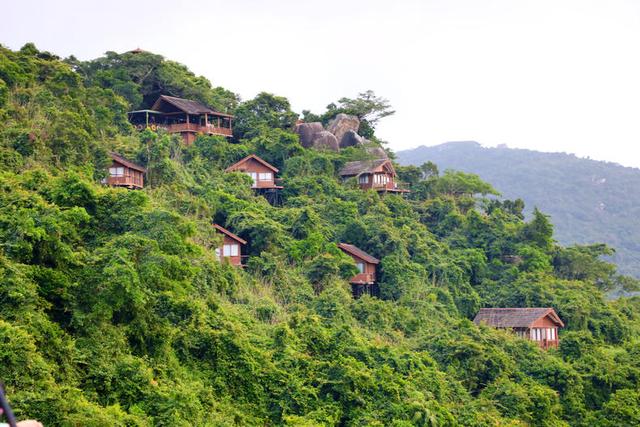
pixel 536 324
pixel 123 173
pixel 365 280
pixel 231 248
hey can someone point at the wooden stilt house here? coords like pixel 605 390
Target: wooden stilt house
pixel 231 248
pixel 184 116
pixel 365 281
pixel 536 324
pixel 123 173
pixel 378 175
pixel 262 174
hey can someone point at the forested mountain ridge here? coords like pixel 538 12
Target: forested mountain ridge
pixel 114 309
pixel 588 201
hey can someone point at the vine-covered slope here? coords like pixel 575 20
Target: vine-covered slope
pixel 115 311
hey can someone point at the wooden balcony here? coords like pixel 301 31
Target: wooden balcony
pixel 393 187
pixel 198 128
pixel 363 279
pixel 125 181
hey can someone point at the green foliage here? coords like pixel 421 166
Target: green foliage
pixel 115 310
pixel 589 201
pixel 265 110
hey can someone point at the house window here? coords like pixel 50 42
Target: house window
pixel 360 266
pixel 254 177
pixel 265 176
pixel 116 171
pixel 380 178
pixel 363 179
pixel 230 250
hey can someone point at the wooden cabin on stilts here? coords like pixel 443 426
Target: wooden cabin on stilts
pixel 184 116
pixel 124 173
pixel 378 175
pixel 231 248
pixel 365 281
pixel 263 176
pixel 536 324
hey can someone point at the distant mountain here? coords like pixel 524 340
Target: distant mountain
pixel 589 201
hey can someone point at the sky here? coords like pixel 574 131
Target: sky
pixel 547 75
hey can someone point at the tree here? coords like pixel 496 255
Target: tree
pixel 367 107
pixel 265 110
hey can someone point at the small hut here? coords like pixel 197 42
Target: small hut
pixel 262 173
pixel 536 324
pixel 263 176
pixel 378 175
pixel 231 248
pixel 365 281
pixel 123 173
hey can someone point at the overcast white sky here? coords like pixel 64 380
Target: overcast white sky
pixel 549 75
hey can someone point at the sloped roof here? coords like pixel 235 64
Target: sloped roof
pixel 254 157
pixel 515 317
pixel 118 158
pixel 187 105
pixel 230 234
pixel 366 166
pixel 359 253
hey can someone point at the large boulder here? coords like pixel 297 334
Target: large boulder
pixel 306 131
pixel 343 123
pixel 325 140
pixel 377 152
pixel 351 139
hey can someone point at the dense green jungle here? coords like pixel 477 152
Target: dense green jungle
pixel 114 310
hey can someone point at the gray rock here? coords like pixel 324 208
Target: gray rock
pixel 343 123
pixel 306 131
pixel 325 140
pixel 351 139
pixel 377 152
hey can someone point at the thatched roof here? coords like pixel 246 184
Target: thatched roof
pixel 187 105
pixel 367 166
pixel 358 253
pixel 515 317
pixel 119 159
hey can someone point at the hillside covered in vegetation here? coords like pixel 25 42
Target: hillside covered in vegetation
pixel 588 201
pixel 114 310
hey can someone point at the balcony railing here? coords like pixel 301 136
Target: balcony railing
pixel 198 128
pixel 363 278
pixel 125 181
pixel 390 186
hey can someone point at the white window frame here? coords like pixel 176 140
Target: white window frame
pixel 254 177
pixel 361 267
pixel 116 171
pixel 265 176
pixel 229 250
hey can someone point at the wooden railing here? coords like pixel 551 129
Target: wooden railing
pixel 198 128
pixel 363 278
pixel 125 181
pixel 392 185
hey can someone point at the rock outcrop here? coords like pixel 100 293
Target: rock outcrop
pixel 343 123
pixel 377 152
pixel 325 140
pixel 351 139
pixel 307 132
